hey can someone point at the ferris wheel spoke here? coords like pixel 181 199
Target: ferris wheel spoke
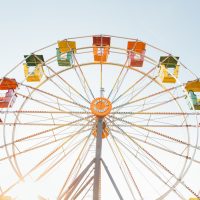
pixel 50 121
pixel 39 102
pixel 84 154
pixel 33 169
pixel 159 146
pixel 54 96
pixel 69 85
pixel 68 95
pixel 178 179
pixel 158 122
pixel 162 103
pixel 128 169
pixel 82 79
pixel 50 106
pixel 156 113
pixel 33 148
pixel 145 97
pixel 54 137
pixel 44 112
pixel 152 118
pixel 163 126
pixel 131 138
pixel 164 115
pixel 41 162
pixel 162 166
pixel 119 80
pixel 74 167
pixel 133 85
pixel 86 138
pixel 61 159
pixel 47 104
pixel 158 163
pixel 28 137
pixel 140 90
pixel 41 133
pixel 53 117
pixel 153 131
pixel 153 172
pixel 42 124
pixel 122 172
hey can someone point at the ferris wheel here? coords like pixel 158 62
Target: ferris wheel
pixel 100 117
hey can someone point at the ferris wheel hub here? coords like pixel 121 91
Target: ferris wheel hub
pixel 101 107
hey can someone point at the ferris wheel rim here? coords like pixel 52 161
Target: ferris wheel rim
pixel 116 64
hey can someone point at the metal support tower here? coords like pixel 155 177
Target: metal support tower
pixel 97 170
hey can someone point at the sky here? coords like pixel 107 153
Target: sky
pixel 172 25
pixel 28 25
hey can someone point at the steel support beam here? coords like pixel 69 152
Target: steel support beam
pixel 75 183
pixel 112 180
pixel 97 170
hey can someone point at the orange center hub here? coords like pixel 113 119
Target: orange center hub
pixel 100 107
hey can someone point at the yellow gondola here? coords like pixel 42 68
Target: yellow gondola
pixel 167 62
pixel 193 89
pixel 33 68
pixel 67 46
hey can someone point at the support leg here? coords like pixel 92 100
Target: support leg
pixel 97 170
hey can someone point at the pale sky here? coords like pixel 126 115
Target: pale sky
pixel 172 25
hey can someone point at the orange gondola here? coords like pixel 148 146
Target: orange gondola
pixel 101 47
pixel 8 99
